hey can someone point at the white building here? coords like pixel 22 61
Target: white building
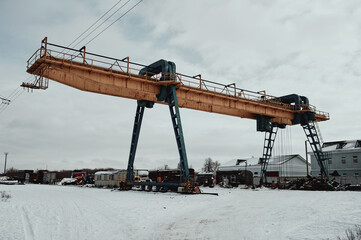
pixel 110 178
pixel 286 166
pixel 344 161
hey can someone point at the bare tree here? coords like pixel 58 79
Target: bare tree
pixel 210 166
pixel 216 165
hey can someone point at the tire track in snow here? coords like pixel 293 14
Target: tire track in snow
pixel 28 230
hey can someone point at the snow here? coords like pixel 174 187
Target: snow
pixel 106 172
pixel 333 146
pixel 45 212
pixel 6 180
pixel 67 181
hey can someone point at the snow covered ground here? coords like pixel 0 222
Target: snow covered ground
pixel 44 212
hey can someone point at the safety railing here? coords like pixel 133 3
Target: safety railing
pixel 74 56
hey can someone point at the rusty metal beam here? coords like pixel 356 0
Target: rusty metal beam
pixel 98 76
pixel 122 84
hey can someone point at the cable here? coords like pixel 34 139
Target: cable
pixel 102 24
pixel 94 23
pixel 11 94
pixel 17 92
pixel 12 97
pixel 115 21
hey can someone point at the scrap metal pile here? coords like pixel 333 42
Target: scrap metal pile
pixel 315 184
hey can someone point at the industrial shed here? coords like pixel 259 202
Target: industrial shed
pixel 110 178
pixel 248 170
pixel 344 163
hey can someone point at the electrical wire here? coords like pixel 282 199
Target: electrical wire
pixel 115 20
pixel 13 96
pixel 94 23
pixel 18 91
pixel 101 25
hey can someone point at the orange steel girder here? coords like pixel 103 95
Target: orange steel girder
pixel 116 83
pixel 86 75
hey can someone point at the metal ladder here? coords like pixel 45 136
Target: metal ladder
pixel 269 140
pixel 314 140
pixel 178 131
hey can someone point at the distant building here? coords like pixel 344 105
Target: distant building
pixel 110 178
pixel 344 161
pixel 206 179
pixel 45 177
pixel 248 171
pixel 22 175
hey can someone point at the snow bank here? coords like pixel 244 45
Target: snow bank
pixel 5 180
pixel 45 212
pixel 66 181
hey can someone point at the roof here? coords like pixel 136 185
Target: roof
pixel 107 172
pixel 276 160
pixel 341 145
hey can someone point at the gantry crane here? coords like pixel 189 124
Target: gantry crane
pixel 160 83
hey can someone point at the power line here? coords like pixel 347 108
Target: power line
pixel 94 23
pixel 12 97
pixel 18 91
pixel 102 23
pixel 115 21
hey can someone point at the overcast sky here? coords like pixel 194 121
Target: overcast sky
pixel 310 48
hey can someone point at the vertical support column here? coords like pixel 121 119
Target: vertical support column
pixel 45 42
pixel 133 146
pixel 178 131
pixel 270 137
pixel 83 55
pixel 314 140
pixel 127 64
pixel 6 157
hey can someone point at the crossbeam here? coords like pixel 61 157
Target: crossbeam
pixel 99 75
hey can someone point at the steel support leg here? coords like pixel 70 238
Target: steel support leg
pixel 314 140
pixel 177 126
pixel 172 101
pixel 269 141
pixel 135 136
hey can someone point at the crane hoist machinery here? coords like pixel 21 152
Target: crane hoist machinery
pixel 160 83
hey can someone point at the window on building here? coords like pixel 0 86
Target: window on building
pixel 343 160
pixel 355 160
pixel 356 173
pixel 255 173
pixel 111 177
pixel 329 161
pixel 340 145
pixel 344 174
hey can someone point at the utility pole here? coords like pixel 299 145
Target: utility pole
pixel 6 157
pixel 306 157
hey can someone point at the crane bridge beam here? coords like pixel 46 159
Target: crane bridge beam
pixel 121 79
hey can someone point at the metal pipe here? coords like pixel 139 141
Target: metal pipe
pixel 306 157
pixel 6 156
